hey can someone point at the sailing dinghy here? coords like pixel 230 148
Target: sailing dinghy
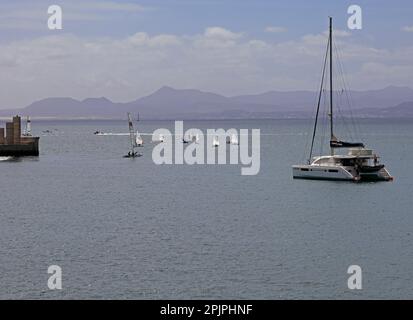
pixel 139 140
pixel 215 143
pixel 133 140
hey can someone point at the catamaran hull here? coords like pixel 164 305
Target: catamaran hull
pixel 322 173
pixel 380 175
pixel 338 174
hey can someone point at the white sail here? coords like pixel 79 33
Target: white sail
pixel 161 138
pixel 216 141
pixel 234 139
pixel 186 138
pixel 131 133
pixel 197 138
pixel 139 140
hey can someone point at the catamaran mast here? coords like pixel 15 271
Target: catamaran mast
pixel 334 142
pixel 331 83
pixel 319 100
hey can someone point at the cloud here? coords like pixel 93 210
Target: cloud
pixel 338 33
pixel 114 6
pixel 408 28
pixel 143 39
pixel 33 16
pixel 221 33
pixel 275 29
pixel 218 60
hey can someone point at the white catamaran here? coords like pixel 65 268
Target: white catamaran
pixel 359 164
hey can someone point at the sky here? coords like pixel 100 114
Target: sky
pixel 126 49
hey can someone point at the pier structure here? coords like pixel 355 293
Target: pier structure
pixel 13 144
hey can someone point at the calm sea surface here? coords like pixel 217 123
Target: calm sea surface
pixel 129 229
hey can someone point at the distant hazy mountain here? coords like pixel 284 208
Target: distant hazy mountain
pixel 404 109
pixel 169 103
pixel 300 100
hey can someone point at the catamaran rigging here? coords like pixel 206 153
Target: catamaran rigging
pixel 356 165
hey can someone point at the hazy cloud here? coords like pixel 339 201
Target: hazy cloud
pixel 408 29
pixel 33 16
pixel 113 6
pixel 275 29
pixel 339 33
pixel 221 33
pixel 217 60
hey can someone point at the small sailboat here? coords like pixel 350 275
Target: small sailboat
pixel 139 140
pixel 132 137
pixel 234 139
pixel 358 164
pixel 215 143
pixel 187 140
pixel 161 138
pixel 197 138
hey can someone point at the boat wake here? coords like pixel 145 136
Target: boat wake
pixel 119 134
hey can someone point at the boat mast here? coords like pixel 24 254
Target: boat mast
pixel 131 133
pixel 319 100
pixel 331 83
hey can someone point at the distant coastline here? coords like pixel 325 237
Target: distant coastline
pixel 189 104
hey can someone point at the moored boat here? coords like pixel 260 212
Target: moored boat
pixel 360 163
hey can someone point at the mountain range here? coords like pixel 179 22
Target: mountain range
pixel 170 103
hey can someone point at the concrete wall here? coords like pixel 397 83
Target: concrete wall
pixel 16 130
pixel 29 149
pixel 13 144
pixel 28 140
pixel 9 133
